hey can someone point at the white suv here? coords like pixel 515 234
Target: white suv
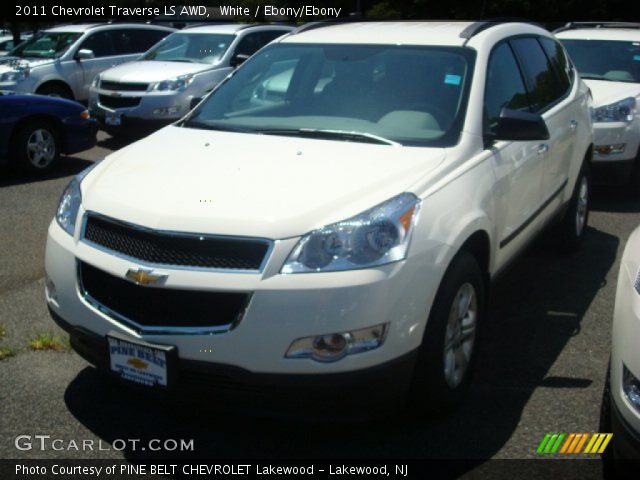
pixel 607 55
pixel 62 61
pixel 159 88
pixel 330 215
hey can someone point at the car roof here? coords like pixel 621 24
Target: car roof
pixel 232 28
pixel 629 34
pixel 443 33
pixel 83 27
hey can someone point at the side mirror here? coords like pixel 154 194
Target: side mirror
pixel 238 59
pixel 520 126
pixel 194 101
pixel 84 54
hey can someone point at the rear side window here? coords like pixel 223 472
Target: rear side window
pixel 504 87
pixel 544 87
pixel 561 65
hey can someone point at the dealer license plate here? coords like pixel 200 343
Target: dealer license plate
pixel 112 118
pixel 135 362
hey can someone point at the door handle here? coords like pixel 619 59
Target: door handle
pixel 573 124
pixel 543 148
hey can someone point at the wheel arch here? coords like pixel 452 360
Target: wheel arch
pixel 58 83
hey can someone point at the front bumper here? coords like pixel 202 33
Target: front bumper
pixel 615 168
pixel 282 309
pixel 144 115
pixel 382 387
pixel 80 135
pixel 626 440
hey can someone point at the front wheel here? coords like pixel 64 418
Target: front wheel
pixel 447 355
pixel 573 227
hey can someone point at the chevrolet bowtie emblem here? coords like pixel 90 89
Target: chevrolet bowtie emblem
pixel 137 363
pixel 145 277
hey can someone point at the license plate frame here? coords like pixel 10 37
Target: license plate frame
pixel 113 119
pixel 141 363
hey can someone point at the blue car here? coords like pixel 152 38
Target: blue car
pixel 36 129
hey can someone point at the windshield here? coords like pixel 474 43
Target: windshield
pixel 46 45
pixel 190 47
pixel 376 94
pixel 605 59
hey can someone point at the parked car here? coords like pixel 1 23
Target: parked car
pixel 336 240
pixel 158 88
pixel 35 130
pixel 63 61
pixel 621 402
pixel 6 43
pixel 607 55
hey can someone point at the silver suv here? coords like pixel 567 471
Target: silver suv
pixel 160 87
pixel 63 61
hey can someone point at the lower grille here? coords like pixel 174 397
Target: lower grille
pixel 124 87
pixel 160 310
pixel 119 102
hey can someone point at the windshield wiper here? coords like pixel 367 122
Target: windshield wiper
pixel 330 134
pixel 593 77
pixel 207 126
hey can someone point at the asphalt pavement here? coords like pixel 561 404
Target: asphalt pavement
pixel 542 359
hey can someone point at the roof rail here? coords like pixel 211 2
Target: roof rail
pixel 577 25
pixel 327 23
pixel 482 25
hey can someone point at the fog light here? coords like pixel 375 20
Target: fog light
pixel 631 387
pixel 611 149
pixel 167 110
pixel 334 346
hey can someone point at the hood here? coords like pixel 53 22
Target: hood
pixel 251 185
pixel 11 63
pixel 606 92
pixel 152 71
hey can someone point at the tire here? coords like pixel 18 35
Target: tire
pixel 53 90
pixel 36 147
pixel 447 356
pixel 573 227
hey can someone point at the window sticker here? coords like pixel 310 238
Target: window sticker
pixel 451 79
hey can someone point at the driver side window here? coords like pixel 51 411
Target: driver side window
pixel 504 86
pixel 101 43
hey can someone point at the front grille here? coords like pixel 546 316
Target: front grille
pixel 124 87
pixel 119 102
pixel 158 307
pixel 172 248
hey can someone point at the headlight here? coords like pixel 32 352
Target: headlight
pixel 96 81
pixel 377 236
pixel 70 201
pixel 179 83
pixel 622 111
pixel 14 75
